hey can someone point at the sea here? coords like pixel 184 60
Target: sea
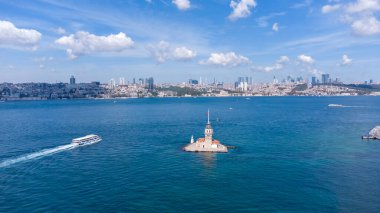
pixel 292 154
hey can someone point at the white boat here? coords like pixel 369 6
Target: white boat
pixel 335 105
pixel 87 140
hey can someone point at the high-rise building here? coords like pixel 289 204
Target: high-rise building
pixel 121 81
pixel 325 78
pixel 242 84
pixel 142 81
pixel 72 80
pixel 150 83
pixel 275 80
pixel 112 83
pixel 313 80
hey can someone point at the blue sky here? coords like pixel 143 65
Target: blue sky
pixel 174 40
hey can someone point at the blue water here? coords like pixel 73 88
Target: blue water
pixel 293 154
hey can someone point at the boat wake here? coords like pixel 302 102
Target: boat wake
pixel 340 105
pixel 36 155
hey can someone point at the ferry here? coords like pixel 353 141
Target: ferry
pixel 87 140
pixel 335 105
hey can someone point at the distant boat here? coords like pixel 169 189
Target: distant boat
pixel 335 105
pixel 230 108
pixel 87 140
pixel 248 98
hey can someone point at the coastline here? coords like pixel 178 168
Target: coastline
pixel 171 97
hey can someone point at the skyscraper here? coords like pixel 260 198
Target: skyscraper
pixel 121 81
pixel 150 83
pixel 72 80
pixel 112 83
pixel 313 80
pixel 325 78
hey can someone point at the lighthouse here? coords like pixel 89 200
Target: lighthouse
pixel 206 144
pixel 208 130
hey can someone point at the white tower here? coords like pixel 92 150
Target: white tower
pixel 208 130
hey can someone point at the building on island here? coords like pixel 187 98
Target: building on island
pixel 206 144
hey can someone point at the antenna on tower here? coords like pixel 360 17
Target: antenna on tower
pixel 208 116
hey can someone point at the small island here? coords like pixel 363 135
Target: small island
pixel 206 144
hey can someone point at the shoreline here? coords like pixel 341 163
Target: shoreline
pixel 187 97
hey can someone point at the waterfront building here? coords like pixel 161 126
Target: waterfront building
pixel 206 144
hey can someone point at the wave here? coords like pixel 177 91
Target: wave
pixel 37 155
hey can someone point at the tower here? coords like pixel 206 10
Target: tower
pixel 208 130
pixel 72 80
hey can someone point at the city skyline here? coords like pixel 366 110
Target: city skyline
pixel 48 41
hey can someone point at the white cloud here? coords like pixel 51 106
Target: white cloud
pixel 345 60
pixel 315 71
pixel 226 59
pixel 366 26
pixel 182 53
pixel 360 14
pixel 241 9
pixel 307 63
pixel 82 43
pixel 162 52
pixel 283 60
pixel 330 8
pixel 275 27
pixel 263 20
pixel 363 5
pixel 306 59
pixel 60 31
pixel 280 63
pixel 43 59
pixel 10 35
pixel 182 4
pixel 302 4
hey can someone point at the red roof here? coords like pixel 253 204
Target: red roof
pixel 216 142
pixel 201 139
